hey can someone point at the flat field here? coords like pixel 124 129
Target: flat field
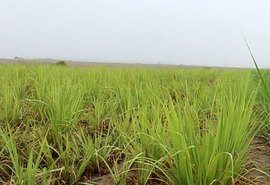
pixel 131 125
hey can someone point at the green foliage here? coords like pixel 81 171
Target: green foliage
pixel 61 63
pixel 264 92
pixel 131 125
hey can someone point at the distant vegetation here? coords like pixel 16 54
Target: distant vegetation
pixel 61 63
pixel 126 125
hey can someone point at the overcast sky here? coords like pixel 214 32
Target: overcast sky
pixel 192 32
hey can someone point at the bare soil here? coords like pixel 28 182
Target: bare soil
pixel 257 172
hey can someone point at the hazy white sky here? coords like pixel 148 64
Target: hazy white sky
pixel 192 32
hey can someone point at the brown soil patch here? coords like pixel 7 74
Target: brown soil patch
pixel 257 171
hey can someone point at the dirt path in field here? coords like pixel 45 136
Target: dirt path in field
pixel 258 169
